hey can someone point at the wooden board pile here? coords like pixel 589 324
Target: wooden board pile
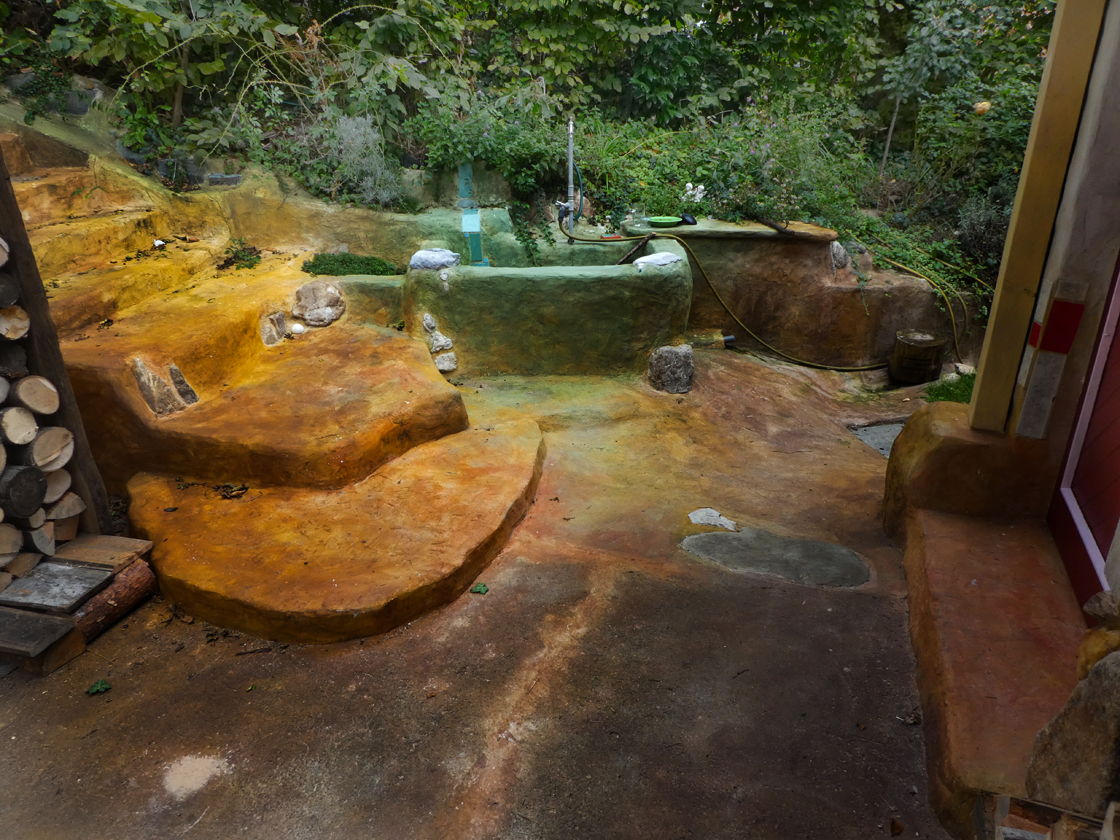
pixel 56 606
pixel 57 589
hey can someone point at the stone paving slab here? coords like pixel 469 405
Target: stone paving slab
pixel 880 438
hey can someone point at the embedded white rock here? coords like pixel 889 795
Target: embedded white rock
pixel 297 329
pixel 438 341
pixel 446 362
pixel 711 516
pixel 434 259
pixel 319 303
pixel 661 258
pixel 429 322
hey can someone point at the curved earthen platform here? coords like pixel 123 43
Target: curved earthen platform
pixel 315 566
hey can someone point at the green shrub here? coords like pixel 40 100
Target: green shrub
pixel 339 157
pixel 340 265
pixel 521 139
pixel 240 254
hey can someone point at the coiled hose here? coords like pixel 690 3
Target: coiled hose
pixel 723 303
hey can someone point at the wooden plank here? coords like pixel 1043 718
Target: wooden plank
pixel 1073 42
pixel 102 552
pixel 69 647
pixel 55 587
pixel 44 356
pixel 26 633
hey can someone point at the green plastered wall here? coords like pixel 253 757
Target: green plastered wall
pixel 603 319
pixel 372 299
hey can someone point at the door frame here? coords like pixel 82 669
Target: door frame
pixel 1083 559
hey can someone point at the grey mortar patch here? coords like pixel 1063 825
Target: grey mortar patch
pixel 808 562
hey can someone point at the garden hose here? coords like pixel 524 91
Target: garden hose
pixel 944 296
pixel 723 303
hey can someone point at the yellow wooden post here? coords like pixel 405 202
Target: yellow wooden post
pixel 1069 60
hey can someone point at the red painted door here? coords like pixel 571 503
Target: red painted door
pixel 1086 507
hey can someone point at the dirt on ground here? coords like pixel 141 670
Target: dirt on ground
pixel 608 684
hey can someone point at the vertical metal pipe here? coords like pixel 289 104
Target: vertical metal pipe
pixel 571 175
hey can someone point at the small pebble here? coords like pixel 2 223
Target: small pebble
pixel 298 329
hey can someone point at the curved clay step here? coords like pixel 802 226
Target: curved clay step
pixel 322 410
pixel 315 566
pixel 51 196
pixel 78 245
pixel 82 300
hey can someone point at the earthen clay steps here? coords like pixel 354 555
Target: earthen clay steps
pixel 322 410
pixel 368 503
pixel 996 631
pixel 80 244
pixel 315 566
pixel 79 301
pixel 209 326
pixel 52 196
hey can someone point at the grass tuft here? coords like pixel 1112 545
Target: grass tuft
pixel 959 390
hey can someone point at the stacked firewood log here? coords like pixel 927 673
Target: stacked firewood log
pixel 37 508
pixel 58 589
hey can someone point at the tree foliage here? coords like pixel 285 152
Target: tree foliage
pixel 669 92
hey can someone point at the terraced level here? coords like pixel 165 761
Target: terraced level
pixel 369 499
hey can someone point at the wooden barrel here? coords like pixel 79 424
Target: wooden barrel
pixel 917 356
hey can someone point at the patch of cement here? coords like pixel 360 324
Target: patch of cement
pixel 191 773
pixel 807 562
pixel 880 438
pixel 711 516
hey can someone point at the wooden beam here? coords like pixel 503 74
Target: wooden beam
pixel 1073 43
pixel 44 357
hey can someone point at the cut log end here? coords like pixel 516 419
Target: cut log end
pixel 35 393
pixel 70 504
pixel 14 323
pixel 17 425
pixel 22 490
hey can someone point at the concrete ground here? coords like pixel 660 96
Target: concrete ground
pixel 608 684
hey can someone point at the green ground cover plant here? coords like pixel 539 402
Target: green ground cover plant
pixel 341 265
pixel 957 390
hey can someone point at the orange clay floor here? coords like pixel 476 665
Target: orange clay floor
pixel 608 684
